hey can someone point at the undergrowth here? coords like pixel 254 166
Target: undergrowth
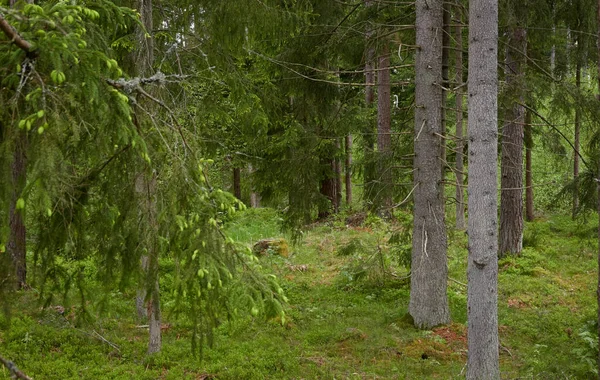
pixel 348 291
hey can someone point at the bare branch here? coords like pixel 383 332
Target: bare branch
pixel 14 371
pixel 12 34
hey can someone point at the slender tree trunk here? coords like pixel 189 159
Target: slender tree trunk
pixel 482 267
pixel 328 188
pixel 338 177
pixel 348 170
pixel 529 214
pixel 369 130
pixel 511 193
pixel 460 203
pixel 17 245
pixel 428 299
pixel 576 142
pixel 237 185
pixel 254 196
pixel 384 130
pixel 146 189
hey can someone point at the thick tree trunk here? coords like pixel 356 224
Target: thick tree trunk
pixel 460 203
pixel 428 299
pixel 529 213
pixel 16 245
pixel 384 131
pixel 511 193
pixel 576 142
pixel 445 81
pixel 482 267
pixel 237 183
pixel 348 170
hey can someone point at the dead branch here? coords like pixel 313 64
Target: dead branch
pixel 14 371
pixel 21 43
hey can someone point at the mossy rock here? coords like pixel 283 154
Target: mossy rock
pixel 277 247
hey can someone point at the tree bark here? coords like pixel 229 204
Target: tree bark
pixel 384 131
pixel 338 177
pixel 576 141
pixel 146 190
pixel 348 170
pixel 529 213
pixel 482 267
pixel 428 299
pixel 17 245
pixel 369 130
pixel 237 185
pixel 445 81
pixel 328 189
pixel 460 203
pixel 254 196
pixel 511 193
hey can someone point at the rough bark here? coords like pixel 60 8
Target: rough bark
pixel 445 81
pixel 428 299
pixel 460 202
pixel 384 130
pixel 328 189
pixel 17 245
pixel 237 185
pixel 576 143
pixel 482 267
pixel 348 170
pixel 529 213
pixel 511 194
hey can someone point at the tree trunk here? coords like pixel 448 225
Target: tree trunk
pixel 254 196
pixel 428 299
pixel 369 130
pixel 482 267
pixel 237 186
pixel 576 140
pixel 146 190
pixel 529 214
pixel 445 81
pixel 17 245
pixel 511 192
pixel 328 189
pixel 384 131
pixel 460 203
pixel 348 170
pixel 338 177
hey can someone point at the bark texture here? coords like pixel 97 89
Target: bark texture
pixel 482 268
pixel 384 131
pixel 511 195
pixel 428 299
pixel 598 190
pixel 576 141
pixel 460 202
pixel 348 170
pixel 17 245
pixel 369 128
pixel 529 213
pixel 254 196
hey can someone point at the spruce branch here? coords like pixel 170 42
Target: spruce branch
pixel 12 368
pixel 14 36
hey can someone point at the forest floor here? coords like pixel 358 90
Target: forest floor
pixel 347 315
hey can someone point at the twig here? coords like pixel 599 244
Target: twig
pixel 458 282
pixel 14 371
pixel 106 341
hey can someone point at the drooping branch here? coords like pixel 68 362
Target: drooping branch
pixel 12 368
pixel 12 34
